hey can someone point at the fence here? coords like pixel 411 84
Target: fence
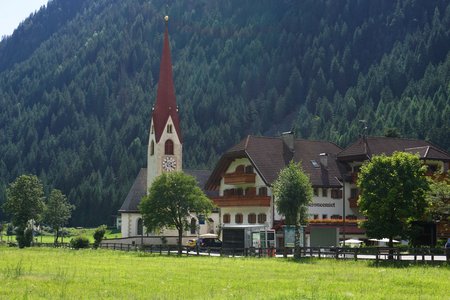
pixel 378 253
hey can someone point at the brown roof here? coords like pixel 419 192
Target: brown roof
pixel 361 150
pixel 139 188
pixel 270 154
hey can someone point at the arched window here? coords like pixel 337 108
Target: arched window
pixel 193 225
pixel 140 227
pixel 168 147
pixel 226 218
pixel 251 218
pixel 169 128
pixel 262 218
pixel 240 169
pixel 249 169
pixel 152 148
pixel 238 218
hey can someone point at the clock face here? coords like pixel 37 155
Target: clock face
pixel 169 164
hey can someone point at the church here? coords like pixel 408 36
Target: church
pixel 240 184
pixel 165 154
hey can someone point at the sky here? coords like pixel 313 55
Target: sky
pixel 12 12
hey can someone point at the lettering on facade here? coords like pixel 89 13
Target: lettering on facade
pixel 322 205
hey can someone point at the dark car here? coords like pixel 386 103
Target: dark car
pixel 209 242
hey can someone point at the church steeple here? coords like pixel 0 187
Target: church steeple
pixel 165 145
pixel 165 104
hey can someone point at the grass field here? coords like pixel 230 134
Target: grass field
pixel 40 273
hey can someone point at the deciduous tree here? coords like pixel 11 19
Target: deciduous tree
pixel 57 212
pixel 293 193
pixel 171 200
pixel 24 202
pixel 392 194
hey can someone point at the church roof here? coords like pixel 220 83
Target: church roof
pixel 165 104
pixel 375 145
pixel 270 154
pixel 139 188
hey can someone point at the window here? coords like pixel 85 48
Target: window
pixel 324 216
pixel 193 226
pixel 249 169
pixel 336 193
pixel 240 191
pixel 226 218
pixel 169 128
pixel 152 131
pixel 351 217
pixel 315 164
pixel 240 169
pixel 324 192
pixel 316 191
pixel 262 191
pixel 316 217
pixel 262 218
pixel 354 193
pixel 250 191
pixel 140 227
pixel 336 217
pixel 238 218
pixel 152 148
pixel 168 147
pixel 252 218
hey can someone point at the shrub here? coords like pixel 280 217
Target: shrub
pixel 79 242
pixel 99 233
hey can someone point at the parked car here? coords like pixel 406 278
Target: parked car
pixel 205 241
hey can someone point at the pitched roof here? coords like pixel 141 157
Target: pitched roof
pixel 374 145
pixel 165 104
pixel 139 188
pixel 270 154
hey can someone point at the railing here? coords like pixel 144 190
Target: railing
pixel 376 253
pixel 235 200
pixel 239 178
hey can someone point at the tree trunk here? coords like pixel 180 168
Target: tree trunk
pixel 180 241
pixel 297 250
pixel 56 237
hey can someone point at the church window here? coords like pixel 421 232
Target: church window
pixel 169 128
pixel 238 218
pixel 152 148
pixel 262 218
pixel 193 226
pixel 168 147
pixel 226 218
pixel 252 218
pixel 152 131
pixel 140 227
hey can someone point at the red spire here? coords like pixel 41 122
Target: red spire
pixel 166 104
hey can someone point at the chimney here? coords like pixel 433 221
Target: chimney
pixel 288 139
pixel 324 159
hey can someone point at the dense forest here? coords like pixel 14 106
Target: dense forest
pixel 78 80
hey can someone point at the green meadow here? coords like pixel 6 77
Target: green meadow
pixel 41 273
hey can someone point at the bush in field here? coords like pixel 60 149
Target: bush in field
pixel 79 242
pixel 99 233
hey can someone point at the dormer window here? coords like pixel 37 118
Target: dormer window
pixel 169 128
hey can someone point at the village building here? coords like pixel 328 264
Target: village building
pixel 241 182
pixel 165 154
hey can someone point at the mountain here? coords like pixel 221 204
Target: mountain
pixel 78 80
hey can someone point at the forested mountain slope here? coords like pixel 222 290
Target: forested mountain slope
pixel 78 80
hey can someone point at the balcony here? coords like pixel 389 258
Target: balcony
pixel 353 202
pixel 236 200
pixel 239 178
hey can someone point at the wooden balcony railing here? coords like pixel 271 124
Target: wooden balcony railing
pixel 239 178
pixel 235 200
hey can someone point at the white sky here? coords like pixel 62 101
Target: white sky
pixel 12 12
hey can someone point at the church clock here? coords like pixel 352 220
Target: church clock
pixel 169 163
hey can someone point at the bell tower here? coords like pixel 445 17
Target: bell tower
pixel 165 142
